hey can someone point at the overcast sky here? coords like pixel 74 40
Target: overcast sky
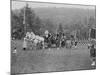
pixel 21 4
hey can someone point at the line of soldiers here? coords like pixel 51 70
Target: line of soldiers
pixel 57 40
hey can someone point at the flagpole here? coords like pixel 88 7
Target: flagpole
pixel 24 20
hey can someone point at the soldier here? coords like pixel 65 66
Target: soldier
pixel 63 40
pixel 14 46
pixel 93 54
pixel 58 40
pixel 47 38
pixel 76 44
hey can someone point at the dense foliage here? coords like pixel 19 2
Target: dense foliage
pixel 26 20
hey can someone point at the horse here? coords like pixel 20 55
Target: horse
pixel 52 40
pixel 39 41
pixel 31 40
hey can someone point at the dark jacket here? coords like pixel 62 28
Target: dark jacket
pixel 93 52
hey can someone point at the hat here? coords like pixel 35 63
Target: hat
pixel 46 32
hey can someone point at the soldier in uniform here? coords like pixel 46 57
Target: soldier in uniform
pixel 63 40
pixel 93 54
pixel 58 40
pixel 47 38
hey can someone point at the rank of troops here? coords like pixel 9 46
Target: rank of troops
pixel 48 40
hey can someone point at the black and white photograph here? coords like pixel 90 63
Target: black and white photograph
pixel 52 37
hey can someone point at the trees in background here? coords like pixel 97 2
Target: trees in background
pixel 24 21
pixel 48 25
pixel 81 28
pixel 32 21
pixel 60 28
pixel 84 30
pixel 17 30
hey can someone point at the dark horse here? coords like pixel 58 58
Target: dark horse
pixel 52 40
pixel 55 40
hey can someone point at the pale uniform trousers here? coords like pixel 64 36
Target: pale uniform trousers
pixel 25 43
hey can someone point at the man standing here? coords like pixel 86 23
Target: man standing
pixel 47 38
pixel 93 55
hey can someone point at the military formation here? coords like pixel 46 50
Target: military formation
pixel 48 40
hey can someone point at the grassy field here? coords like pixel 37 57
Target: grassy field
pixel 33 61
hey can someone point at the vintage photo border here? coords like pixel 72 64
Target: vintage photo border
pixel 47 3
